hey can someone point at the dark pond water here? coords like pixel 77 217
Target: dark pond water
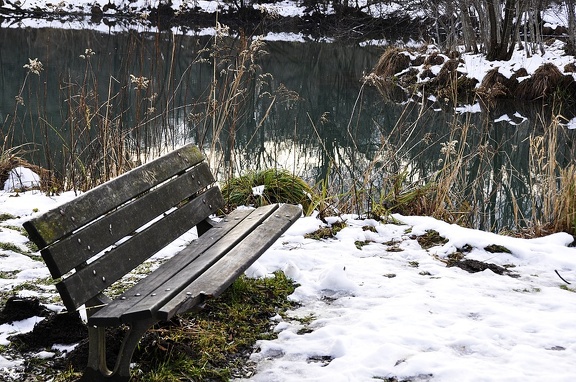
pixel 302 106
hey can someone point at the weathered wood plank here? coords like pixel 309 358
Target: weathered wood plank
pixel 219 277
pixel 100 274
pixel 110 314
pixel 183 275
pixel 74 250
pixel 175 274
pixel 62 220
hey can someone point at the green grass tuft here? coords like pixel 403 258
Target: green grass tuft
pixel 11 247
pixel 280 186
pixel 430 239
pixel 5 216
pixel 211 344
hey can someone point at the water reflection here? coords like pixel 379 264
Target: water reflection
pixel 304 107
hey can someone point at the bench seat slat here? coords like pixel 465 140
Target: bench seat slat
pixel 103 272
pixel 110 314
pixel 219 277
pixel 184 274
pixel 63 220
pixel 69 253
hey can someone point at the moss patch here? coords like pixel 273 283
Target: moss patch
pixel 326 232
pixel 430 239
pixel 495 248
pixel 211 344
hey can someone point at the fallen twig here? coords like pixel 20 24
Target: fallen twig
pixel 562 278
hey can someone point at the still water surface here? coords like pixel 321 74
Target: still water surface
pixel 304 107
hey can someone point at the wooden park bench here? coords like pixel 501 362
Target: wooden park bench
pixel 102 235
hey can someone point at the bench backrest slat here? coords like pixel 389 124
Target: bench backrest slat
pixel 67 218
pixel 96 276
pixel 72 251
pixel 105 233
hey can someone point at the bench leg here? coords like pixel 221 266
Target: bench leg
pixel 97 368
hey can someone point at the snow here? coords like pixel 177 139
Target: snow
pixel 571 124
pixel 390 308
pixel 21 178
pixel 23 326
pixel 376 315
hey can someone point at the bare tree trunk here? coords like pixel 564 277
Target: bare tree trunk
pixel 480 11
pixel 468 32
pixel 502 39
pixel 493 21
pixel 571 10
pixel 532 10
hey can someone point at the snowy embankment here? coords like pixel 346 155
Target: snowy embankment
pixel 374 304
pixel 393 309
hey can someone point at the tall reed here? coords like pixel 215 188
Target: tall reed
pixel 553 186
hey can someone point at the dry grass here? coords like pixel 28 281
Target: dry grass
pixel 553 186
pixel 542 84
pixel 495 85
pixel 107 129
pixel 565 203
pixel 392 61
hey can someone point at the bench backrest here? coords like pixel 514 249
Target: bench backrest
pixel 100 236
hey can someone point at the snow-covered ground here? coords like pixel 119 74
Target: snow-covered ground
pixel 375 305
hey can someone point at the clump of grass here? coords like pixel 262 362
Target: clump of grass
pixel 405 198
pixel 496 85
pixel 369 228
pixel 496 248
pixel 280 186
pixel 453 258
pixel 361 243
pixel 326 232
pixel 8 274
pixel 11 247
pixel 211 344
pixel 567 288
pixel 430 239
pixel 34 286
pixel 392 61
pixel 384 75
pixel 6 216
pixel 547 79
pixel 67 375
